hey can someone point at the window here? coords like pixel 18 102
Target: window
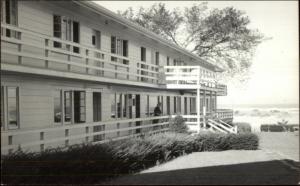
pixel 119 46
pixel 79 106
pixel 185 105
pixel 119 106
pixel 96 106
pixel 124 105
pixel 192 105
pixel 57 107
pixel 157 58
pixel 113 105
pixel 9 15
pixel 65 29
pixel 168 105
pixel 96 39
pixel 175 104
pixel 12 107
pixel 143 54
pixel 67 106
pixel 178 104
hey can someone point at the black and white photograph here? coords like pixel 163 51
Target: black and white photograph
pixel 149 92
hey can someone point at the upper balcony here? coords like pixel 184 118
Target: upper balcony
pixel 25 51
pixel 192 77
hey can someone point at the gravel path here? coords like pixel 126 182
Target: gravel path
pixel 277 162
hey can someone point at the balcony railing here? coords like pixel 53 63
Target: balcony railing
pixel 191 77
pixel 225 114
pixel 97 132
pixel 25 50
pixel 29 50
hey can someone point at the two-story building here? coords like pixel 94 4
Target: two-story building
pixel 73 72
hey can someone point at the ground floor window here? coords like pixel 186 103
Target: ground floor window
pixel 13 107
pixel 193 105
pixel 67 106
pixel 57 106
pixel 185 105
pixel 79 107
pixel 168 105
pixel 96 106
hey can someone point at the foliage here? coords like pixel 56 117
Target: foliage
pixel 88 164
pixel 221 36
pixel 277 128
pixel 243 127
pixel 178 125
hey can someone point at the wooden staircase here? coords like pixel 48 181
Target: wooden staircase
pixel 220 126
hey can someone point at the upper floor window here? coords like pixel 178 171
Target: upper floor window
pixel 168 61
pixel 65 29
pixel 143 54
pixel 119 46
pixel 157 58
pixel 9 15
pixel 96 39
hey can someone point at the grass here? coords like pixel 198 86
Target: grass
pixel 96 163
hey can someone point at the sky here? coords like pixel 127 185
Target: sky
pixel 275 69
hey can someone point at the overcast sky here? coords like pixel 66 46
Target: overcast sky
pixel 275 70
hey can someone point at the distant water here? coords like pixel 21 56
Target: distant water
pixel 256 115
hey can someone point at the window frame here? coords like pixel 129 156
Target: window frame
pixel 61 106
pixel 17 108
pixel 143 54
pixel 97 119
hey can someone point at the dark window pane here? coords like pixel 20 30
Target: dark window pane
pixel 12 107
pixel 97 106
pixel 79 106
pixel 57 106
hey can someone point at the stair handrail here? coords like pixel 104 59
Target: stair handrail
pixel 212 124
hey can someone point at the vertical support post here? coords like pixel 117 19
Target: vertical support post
pixel 198 109
pixel 204 109
pixel 19 48
pixel 198 101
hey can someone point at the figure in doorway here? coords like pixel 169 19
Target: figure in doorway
pixel 157 112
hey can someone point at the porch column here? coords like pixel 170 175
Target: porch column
pixel 198 109
pixel 204 109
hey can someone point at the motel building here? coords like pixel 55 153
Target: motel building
pixel 74 72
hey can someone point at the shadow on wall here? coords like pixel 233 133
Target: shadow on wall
pixel 269 172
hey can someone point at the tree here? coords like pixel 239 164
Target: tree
pixel 221 36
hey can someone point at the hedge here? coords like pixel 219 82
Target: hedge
pixel 243 127
pixel 276 128
pixel 89 164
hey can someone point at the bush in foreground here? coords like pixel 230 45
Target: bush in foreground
pixel 88 164
pixel 243 127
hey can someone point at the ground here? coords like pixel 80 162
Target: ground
pixel 276 162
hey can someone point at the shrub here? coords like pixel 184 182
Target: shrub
pixel 243 127
pixel 272 128
pixel 89 164
pixel 178 125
